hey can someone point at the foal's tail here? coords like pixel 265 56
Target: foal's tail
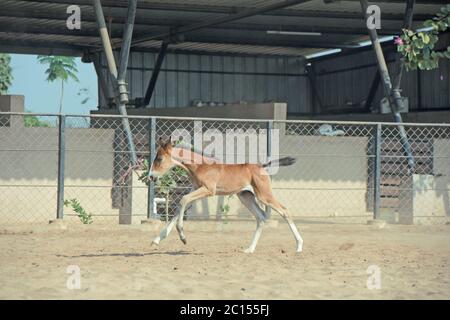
pixel 282 162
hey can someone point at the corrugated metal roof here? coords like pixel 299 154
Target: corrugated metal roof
pixel 31 24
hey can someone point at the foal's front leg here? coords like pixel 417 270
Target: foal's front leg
pixel 195 195
pixel 200 193
pixel 165 232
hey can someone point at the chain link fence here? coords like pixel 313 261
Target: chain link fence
pixel 344 171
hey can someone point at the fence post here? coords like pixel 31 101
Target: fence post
pixel 269 127
pixel 377 172
pixel 152 153
pixel 61 162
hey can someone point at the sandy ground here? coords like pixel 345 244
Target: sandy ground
pixel 117 262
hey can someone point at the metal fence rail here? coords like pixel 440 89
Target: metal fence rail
pixel 344 170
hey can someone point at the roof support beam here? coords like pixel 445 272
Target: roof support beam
pixel 57 27
pixel 419 1
pixel 152 83
pixel 373 91
pixel 208 23
pixel 203 8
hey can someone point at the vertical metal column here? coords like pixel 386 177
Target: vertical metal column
pixel 61 163
pixel 407 24
pixel 124 54
pixel 152 154
pixel 269 154
pixel 394 96
pixel 377 171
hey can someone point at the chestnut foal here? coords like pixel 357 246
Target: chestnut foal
pixel 211 179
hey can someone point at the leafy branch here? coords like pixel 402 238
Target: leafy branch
pixel 84 216
pixel 418 47
pixel 225 208
pixel 166 183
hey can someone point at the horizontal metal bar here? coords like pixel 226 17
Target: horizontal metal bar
pixel 274 187
pixel 262 121
pixel 275 74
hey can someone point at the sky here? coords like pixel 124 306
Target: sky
pixel 42 96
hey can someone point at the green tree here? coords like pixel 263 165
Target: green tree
pixel 5 73
pixel 60 68
pixel 33 121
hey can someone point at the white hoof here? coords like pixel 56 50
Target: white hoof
pixel 249 250
pixel 155 242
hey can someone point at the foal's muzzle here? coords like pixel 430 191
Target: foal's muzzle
pixel 152 177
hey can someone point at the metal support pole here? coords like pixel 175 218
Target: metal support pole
pixel 105 38
pixel 126 41
pixel 394 96
pixel 119 77
pixel 156 70
pixel 269 154
pixel 377 172
pixel 407 24
pixel 106 88
pixel 151 157
pixel 61 162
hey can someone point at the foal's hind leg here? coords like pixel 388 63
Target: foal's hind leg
pixel 248 199
pixel 165 232
pixel 274 204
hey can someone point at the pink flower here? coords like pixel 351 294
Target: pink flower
pixel 398 41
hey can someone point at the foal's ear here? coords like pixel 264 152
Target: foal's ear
pixel 170 142
pixel 160 142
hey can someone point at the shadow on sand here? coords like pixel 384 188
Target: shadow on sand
pixel 131 254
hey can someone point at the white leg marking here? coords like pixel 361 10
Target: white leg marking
pixel 165 232
pixel 297 236
pixel 292 226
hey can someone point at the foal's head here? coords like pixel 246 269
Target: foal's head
pixel 163 161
